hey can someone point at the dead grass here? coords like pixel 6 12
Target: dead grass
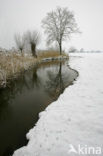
pixel 48 53
pixel 11 65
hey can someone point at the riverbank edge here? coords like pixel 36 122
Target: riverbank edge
pixel 58 125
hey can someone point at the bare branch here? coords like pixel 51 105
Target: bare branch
pixel 20 42
pixel 33 39
pixel 59 25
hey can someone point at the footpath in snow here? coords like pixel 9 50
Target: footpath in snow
pixel 75 119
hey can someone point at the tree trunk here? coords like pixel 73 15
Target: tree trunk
pixel 60 47
pixel 21 52
pixel 33 49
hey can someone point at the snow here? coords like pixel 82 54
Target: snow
pixel 76 118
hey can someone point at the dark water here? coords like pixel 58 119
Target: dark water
pixel 30 94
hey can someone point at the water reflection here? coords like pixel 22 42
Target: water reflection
pixel 28 95
pixel 55 85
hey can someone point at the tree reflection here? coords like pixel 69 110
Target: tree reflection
pixel 35 78
pixel 55 84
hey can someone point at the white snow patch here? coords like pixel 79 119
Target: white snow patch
pixel 76 117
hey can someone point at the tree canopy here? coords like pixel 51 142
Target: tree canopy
pixel 59 25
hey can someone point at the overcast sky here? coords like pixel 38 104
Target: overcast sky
pixel 17 16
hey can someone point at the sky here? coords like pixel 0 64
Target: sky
pixel 18 16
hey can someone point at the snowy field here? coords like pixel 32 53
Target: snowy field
pixel 75 120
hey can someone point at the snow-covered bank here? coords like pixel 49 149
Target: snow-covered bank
pixel 76 118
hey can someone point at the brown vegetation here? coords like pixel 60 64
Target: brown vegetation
pixel 50 53
pixel 11 65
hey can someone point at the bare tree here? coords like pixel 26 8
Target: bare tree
pixel 20 42
pixel 59 25
pixel 32 38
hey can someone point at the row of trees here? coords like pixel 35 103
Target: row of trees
pixel 58 25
